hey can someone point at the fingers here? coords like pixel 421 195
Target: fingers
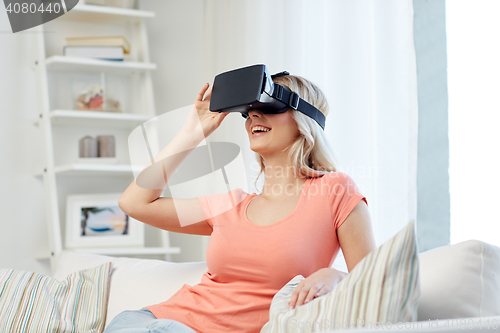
pixel 295 295
pixel 222 116
pixel 303 295
pixel 323 291
pixel 209 93
pixel 199 97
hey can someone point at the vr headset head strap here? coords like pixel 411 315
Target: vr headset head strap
pixel 293 100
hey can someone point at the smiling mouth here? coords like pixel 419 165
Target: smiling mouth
pixel 259 129
pixel 260 133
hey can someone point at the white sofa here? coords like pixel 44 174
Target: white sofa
pixel 460 286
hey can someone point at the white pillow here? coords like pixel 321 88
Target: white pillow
pixel 460 281
pixel 382 288
pixel 33 302
pixel 135 283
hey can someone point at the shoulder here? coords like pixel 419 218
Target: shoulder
pixel 338 183
pixel 239 193
pixel 225 199
pixel 337 174
pixel 337 177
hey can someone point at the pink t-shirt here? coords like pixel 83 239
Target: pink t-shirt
pixel 249 263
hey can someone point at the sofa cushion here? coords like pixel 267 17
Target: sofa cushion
pixel 383 287
pixel 460 280
pixel 135 283
pixel 33 302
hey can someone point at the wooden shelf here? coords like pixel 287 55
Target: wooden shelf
pixel 130 251
pixel 85 170
pixel 105 14
pixel 95 118
pixel 63 63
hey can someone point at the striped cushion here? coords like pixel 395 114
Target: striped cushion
pixel 32 302
pixel 383 288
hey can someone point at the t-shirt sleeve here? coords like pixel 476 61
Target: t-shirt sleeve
pixel 205 207
pixel 213 205
pixel 344 196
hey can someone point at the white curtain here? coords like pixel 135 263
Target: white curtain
pixel 361 54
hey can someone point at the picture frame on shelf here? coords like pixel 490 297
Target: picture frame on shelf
pixel 96 221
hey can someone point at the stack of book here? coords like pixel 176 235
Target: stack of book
pixel 102 47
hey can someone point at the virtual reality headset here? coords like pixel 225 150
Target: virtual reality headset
pixel 252 88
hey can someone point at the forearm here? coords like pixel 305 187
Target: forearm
pixel 156 178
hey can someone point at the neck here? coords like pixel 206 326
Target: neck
pixel 282 181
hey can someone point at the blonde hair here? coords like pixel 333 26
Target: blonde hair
pixel 311 154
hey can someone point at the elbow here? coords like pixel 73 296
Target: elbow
pixel 132 206
pixel 125 205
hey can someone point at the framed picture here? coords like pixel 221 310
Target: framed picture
pixel 96 220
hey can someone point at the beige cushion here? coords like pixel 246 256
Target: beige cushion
pixel 382 288
pixel 33 302
pixel 135 283
pixel 459 281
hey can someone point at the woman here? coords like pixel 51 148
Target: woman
pixel 306 212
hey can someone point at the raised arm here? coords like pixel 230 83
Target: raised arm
pixel 146 205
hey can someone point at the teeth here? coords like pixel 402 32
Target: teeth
pixel 260 128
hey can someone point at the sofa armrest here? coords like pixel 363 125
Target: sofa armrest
pixel 460 281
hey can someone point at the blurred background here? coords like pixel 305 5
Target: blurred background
pixel 412 89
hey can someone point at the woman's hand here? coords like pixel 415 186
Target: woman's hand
pixel 200 114
pixel 315 285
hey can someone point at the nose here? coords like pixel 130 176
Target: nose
pixel 252 113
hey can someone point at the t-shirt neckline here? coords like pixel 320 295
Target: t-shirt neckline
pixel 305 190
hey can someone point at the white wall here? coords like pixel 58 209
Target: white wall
pixel 474 117
pixel 22 220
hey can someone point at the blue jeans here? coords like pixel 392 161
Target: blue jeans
pixel 143 321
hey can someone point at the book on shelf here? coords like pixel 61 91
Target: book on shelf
pixel 120 41
pixel 99 52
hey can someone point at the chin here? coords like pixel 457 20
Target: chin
pixel 258 149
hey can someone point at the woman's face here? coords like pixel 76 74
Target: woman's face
pixel 283 131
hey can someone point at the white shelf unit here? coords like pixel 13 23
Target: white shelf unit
pixel 62 118
pixel 131 251
pixel 62 63
pixel 91 13
pixel 117 251
pixel 89 170
pixel 95 118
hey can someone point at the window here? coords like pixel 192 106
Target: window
pixel 473 38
